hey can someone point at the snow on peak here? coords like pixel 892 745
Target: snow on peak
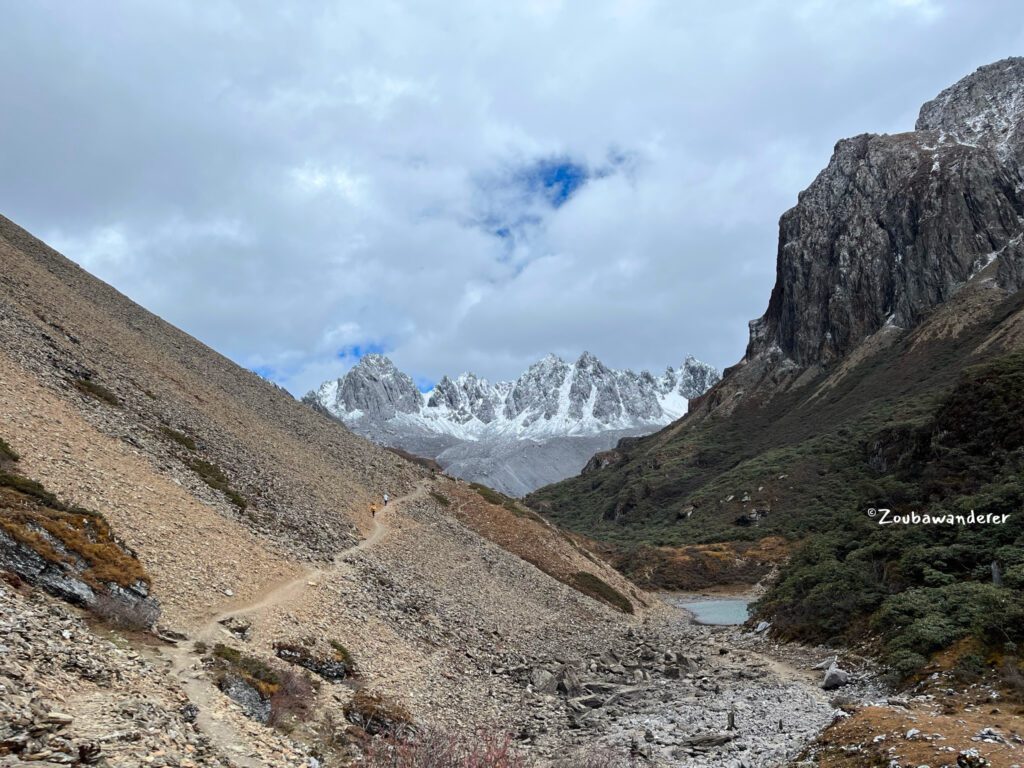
pixel 552 398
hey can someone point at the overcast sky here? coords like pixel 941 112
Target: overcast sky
pixel 463 185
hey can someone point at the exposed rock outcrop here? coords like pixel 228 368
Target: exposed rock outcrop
pixel 894 225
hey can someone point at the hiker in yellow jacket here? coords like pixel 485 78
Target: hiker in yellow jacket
pixel 373 510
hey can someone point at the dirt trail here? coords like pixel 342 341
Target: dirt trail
pixel 187 667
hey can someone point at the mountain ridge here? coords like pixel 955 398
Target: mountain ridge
pixel 511 435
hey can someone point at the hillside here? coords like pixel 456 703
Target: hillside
pixel 888 349
pixel 191 576
pixel 514 436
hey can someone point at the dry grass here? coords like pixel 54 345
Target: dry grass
pixel 376 714
pixel 34 517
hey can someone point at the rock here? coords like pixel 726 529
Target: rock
pixel 247 697
pixel 543 681
pixel 763 626
pixel 826 663
pixel 240 628
pixel 835 678
pixel 708 740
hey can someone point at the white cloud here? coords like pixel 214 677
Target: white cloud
pixel 287 181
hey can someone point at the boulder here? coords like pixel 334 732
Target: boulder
pixel 835 677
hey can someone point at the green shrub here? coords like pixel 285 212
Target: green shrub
pixel 96 390
pixel 6 452
pixel 178 437
pixel 214 477
pixel 594 587
pixel 440 498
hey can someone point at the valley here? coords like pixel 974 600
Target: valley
pixel 197 569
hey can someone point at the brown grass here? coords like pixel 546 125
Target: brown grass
pixel 31 515
pixel 377 715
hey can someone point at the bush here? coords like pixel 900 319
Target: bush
pixel 440 498
pixel 292 701
pixel 594 587
pixel 377 715
pixel 214 477
pixel 97 391
pixel 6 452
pixel 178 437
pixel 434 748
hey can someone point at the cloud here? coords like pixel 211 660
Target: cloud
pixel 465 187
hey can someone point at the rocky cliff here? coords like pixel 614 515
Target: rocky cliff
pixel 895 225
pixel 899 264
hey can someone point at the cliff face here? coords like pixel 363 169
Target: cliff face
pixel 894 225
pixel 901 263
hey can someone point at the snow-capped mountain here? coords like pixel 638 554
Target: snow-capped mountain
pixel 466 419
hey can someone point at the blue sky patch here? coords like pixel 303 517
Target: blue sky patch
pixel 557 179
pixel 359 351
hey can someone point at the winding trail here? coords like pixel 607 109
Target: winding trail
pixel 187 667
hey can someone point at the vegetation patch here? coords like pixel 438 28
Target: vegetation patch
pixel 335 666
pixel 440 498
pixel 924 587
pixel 214 477
pixel 97 391
pixel 591 585
pixel 7 453
pixel 376 714
pixel 178 437
pixel 492 496
pixel 74 537
pixel 255 672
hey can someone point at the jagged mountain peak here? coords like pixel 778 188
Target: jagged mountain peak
pixel 551 397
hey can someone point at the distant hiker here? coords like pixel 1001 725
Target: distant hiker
pixel 373 510
pixel 386 499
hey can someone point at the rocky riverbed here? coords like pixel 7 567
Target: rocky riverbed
pixel 682 694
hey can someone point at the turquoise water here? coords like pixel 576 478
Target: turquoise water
pixel 718 611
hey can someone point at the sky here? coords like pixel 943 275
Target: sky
pixel 460 185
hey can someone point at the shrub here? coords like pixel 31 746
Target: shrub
pixel 214 477
pixel 292 701
pixel 377 715
pixel 594 587
pixel 97 391
pixel 6 452
pixel 440 498
pixel 178 437
pixel 435 748
pixel 253 671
